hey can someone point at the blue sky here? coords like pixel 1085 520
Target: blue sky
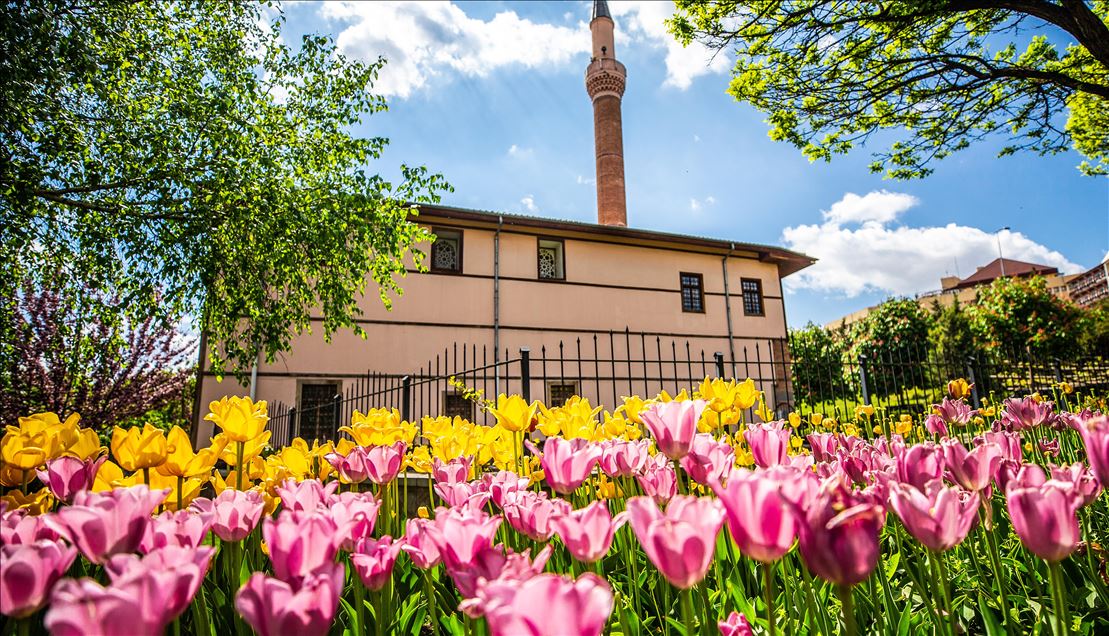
pixel 491 95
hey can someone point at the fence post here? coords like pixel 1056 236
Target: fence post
pixel 525 374
pixel 406 398
pixel 1058 371
pixel 862 379
pixel 294 423
pixel 973 383
pixel 337 403
pixel 719 357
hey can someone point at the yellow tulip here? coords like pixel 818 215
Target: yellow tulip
pixel 513 413
pixel 709 422
pixel 903 427
pixel 136 449
pixel 419 459
pixel 250 449
pixel 35 503
pixel 38 439
pixel 958 388
pixel 422 512
pixel 864 410
pixel 178 498
pixel 794 419
pixel 240 418
pixel 746 395
pixel 107 477
pixel 631 409
pixel 816 419
pixel 181 461
pixel 764 413
pixel 87 446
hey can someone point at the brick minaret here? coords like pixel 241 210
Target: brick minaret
pixel 604 81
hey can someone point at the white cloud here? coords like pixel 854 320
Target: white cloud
pixel 529 203
pixel 696 138
pixel 696 204
pixel 861 248
pixel 520 152
pixel 423 40
pixel 583 180
pixel 711 200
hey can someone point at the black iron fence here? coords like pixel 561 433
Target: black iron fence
pixel 606 367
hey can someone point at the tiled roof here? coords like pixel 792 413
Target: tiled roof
pixel 992 271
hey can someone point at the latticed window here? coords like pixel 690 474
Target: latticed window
pixel 318 419
pixel 559 392
pixel 693 296
pixel 456 405
pixel 752 296
pixel 446 251
pixel 551 260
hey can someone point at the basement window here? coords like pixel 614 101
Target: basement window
pixel 693 295
pixel 551 265
pixel 446 251
pixel 559 392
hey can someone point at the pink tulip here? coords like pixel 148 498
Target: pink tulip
pixel 552 605
pixel 1008 441
pixel 1026 413
pixel 533 513
pixel 708 461
pixel 621 458
pixel 673 425
pixel 108 523
pixel 354 514
pixel 305 496
pixel 18 528
pixel 460 533
pixel 824 445
pixel 66 476
pixel 165 580
pixel 79 607
pixel 272 607
pixel 769 443
pixel 761 522
pixel 919 464
pixel 352 467
pixel 680 542
pixel 501 484
pixel 1045 519
pixel 373 560
pixel 1081 480
pixel 1095 434
pixel 455 471
pixel 659 481
pixel 459 493
pixel 955 412
pixel 236 512
pixel 939 517
pixel 185 528
pixel 28 572
pixel 736 625
pixel 299 544
pixel 418 544
pixel 568 463
pixel 972 470
pixel 839 534
pixel 383 463
pixel 935 425
pixel 588 533
pixel 494 563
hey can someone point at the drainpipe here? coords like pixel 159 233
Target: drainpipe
pixel 728 305
pixel 254 377
pixel 497 306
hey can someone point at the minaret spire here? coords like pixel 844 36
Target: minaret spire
pixel 605 79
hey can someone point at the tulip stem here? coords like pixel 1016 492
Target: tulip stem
pixel 432 609
pixel 945 593
pixel 1059 599
pixel 768 589
pixel 180 487
pixel 850 628
pixel 995 561
pixel 687 610
pixel 239 465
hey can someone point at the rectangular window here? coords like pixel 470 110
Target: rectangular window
pixel 446 251
pixel 752 296
pixel 456 405
pixel 551 264
pixel 317 419
pixel 559 392
pixel 693 295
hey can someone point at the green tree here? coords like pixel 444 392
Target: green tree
pixel 938 74
pixel 185 157
pixel 1013 315
pixel 892 337
pixel 816 355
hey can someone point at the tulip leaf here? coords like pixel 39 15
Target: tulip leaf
pixel 993 628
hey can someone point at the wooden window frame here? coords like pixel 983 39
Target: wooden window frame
pixel 700 291
pixel 758 290
pixel 562 252
pixel 552 383
pixel 461 250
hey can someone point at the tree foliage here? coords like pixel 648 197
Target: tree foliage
pixel 817 357
pixel 889 338
pixel 938 74
pixel 62 358
pixel 1015 315
pixel 184 156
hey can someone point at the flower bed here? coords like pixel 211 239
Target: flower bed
pixel 665 515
